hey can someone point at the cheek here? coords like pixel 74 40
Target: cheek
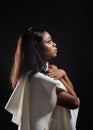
pixel 48 53
pixel 44 52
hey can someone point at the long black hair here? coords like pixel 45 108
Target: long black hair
pixel 27 57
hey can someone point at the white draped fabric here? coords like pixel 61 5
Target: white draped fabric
pixel 33 105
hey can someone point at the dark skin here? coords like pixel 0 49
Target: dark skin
pixel 67 98
pixel 48 50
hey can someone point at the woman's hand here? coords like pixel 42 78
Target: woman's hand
pixel 56 73
pixel 67 98
pixel 59 74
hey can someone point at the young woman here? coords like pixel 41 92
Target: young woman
pixel 43 96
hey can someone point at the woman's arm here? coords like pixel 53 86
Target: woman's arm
pixel 67 98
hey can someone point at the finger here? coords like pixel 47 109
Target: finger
pixel 49 74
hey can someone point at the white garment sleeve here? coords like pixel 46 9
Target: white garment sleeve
pixel 14 103
pixel 64 118
pixel 18 105
pixel 33 102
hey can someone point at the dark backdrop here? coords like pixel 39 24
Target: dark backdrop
pixel 71 26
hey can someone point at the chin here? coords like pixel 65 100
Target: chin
pixel 54 56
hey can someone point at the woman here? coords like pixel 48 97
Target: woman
pixel 43 96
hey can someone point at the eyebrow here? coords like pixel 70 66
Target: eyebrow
pixel 48 38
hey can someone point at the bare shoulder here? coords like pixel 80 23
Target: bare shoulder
pixel 52 66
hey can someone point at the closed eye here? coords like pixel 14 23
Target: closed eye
pixel 49 41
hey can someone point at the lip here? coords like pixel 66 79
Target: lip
pixel 55 49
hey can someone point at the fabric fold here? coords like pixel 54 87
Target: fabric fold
pixel 14 104
pixel 33 105
pixel 18 105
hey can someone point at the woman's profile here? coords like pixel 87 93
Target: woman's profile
pixel 43 96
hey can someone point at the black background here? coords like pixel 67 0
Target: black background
pixel 71 26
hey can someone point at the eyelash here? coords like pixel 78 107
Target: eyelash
pixel 49 41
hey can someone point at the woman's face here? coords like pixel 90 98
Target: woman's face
pixel 47 47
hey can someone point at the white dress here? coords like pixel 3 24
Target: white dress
pixel 33 105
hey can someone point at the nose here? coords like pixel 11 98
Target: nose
pixel 54 44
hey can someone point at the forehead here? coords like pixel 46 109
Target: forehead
pixel 46 36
